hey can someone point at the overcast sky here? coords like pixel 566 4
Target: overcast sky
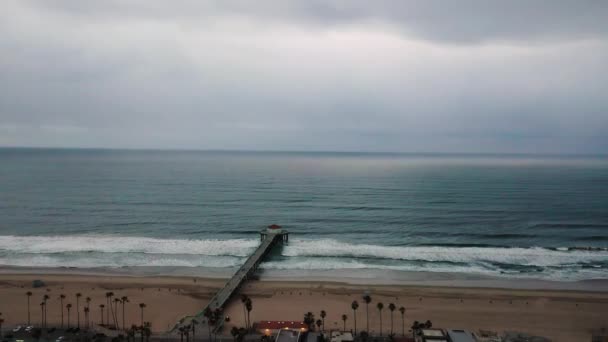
pixel 426 76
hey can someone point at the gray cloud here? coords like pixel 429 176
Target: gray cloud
pixel 325 75
pixel 468 21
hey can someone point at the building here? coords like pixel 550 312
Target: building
pixel 456 335
pixel 272 328
pixel 433 335
pixel 288 335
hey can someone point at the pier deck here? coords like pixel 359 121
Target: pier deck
pixel 269 238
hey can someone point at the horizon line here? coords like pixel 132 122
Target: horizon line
pixel 436 153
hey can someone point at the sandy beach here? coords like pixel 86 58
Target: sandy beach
pixel 559 315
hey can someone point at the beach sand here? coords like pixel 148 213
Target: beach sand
pixel 560 315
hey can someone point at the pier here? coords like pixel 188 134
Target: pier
pixel 269 237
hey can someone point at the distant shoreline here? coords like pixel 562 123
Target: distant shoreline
pixel 317 152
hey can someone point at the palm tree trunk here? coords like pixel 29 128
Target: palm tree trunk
pixel 123 315
pixel 28 310
pixel 367 316
pixel 108 311
pixel 391 322
pixel 61 304
pixel 114 316
pixel 245 316
pixel 77 312
pixel 402 325
pixel 380 312
pixel 355 317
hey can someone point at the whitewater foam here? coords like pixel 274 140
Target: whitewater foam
pixel 535 256
pixel 91 251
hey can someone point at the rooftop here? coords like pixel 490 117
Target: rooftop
pixel 457 335
pixel 276 325
pixel 432 333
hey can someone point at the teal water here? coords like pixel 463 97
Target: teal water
pixel 510 216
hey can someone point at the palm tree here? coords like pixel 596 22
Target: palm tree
pixel 323 315
pixel 415 328
pixel 28 294
pixel 69 306
pixel 243 301
pixel 42 314
pixel 355 306
pixel 1 321
pixel 319 323
pixel 78 295
pixel 101 306
pixel 402 310
pixel 45 298
pixel 209 316
pixel 61 298
pixel 124 300
pixel 234 332
pixel 344 318
pixel 194 323
pixel 309 320
pixel 367 299
pixel 147 330
pixel 187 332
pixel 86 317
pixel 380 306
pixel 116 302
pixel 181 334
pixel 109 301
pixel 392 307
pixel 142 306
pixel 131 333
pixel 249 307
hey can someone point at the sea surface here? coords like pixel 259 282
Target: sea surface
pixel 541 217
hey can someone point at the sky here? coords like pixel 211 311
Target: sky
pixel 474 76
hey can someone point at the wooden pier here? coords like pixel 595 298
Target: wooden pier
pixel 269 238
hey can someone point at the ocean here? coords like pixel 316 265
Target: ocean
pixel 509 216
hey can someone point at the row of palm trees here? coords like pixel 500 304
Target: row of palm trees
pixel 309 317
pixel 113 303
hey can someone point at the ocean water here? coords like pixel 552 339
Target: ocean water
pixel 542 217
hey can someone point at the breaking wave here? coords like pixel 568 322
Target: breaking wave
pixel 90 251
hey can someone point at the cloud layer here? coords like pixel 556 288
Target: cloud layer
pixel 468 76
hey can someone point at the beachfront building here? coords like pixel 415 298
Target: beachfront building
pixel 432 335
pixel 457 335
pixel 273 328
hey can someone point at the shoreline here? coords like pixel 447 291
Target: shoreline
pixel 348 277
